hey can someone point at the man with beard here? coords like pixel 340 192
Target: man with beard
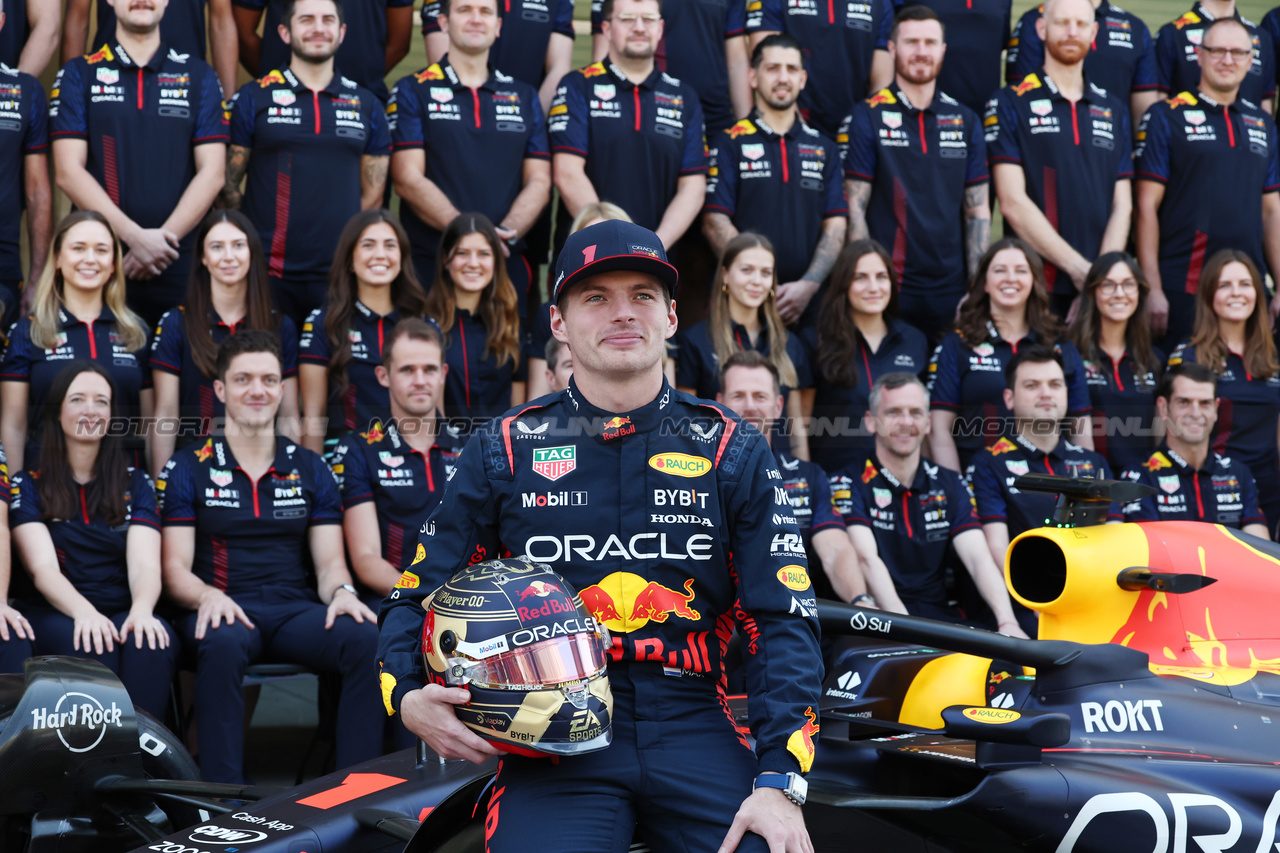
pixel 391 479
pixel 1060 152
pixel 314 146
pixel 625 132
pixel 139 136
pixel 460 119
pixel 916 177
pixel 773 174
pixel 1192 146
pixel 1192 482
pixel 908 516
pixel 1036 393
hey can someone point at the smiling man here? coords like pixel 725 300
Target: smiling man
pixel 623 484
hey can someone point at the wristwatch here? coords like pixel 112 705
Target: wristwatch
pixel 793 786
pixel 349 588
pixel 864 597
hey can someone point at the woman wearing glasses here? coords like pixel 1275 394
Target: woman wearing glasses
pixel 1122 368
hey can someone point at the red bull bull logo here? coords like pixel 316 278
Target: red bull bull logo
pixel 593 70
pixel 273 77
pixel 431 72
pixel 1183 99
pixel 742 128
pixel 627 602
pixel 1157 461
pixel 375 433
pixel 539 588
pixel 869 472
pixel 1004 445
pixel 617 428
pixel 1189 18
pixel 1028 83
pixel 205 452
pixel 884 96
pixel 800 744
pixel 104 54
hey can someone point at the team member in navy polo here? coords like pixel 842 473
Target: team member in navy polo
pixel 456 120
pixel 139 135
pixel 749 386
pixel 1190 147
pixel 241 514
pixel 24 182
pixel 16 633
pixel 182 29
pixel 1192 482
pixel 30 40
pixel 287 128
pixel 373 287
pixel 624 131
pixel 703 43
pixel 377 39
pixel 78 312
pixel 392 481
pixel 228 293
pixel 1178 47
pixel 845 51
pixel 773 174
pixel 1061 158
pixel 1036 393
pixel 906 514
pixel 978 34
pixel 538 48
pixel 86 527
pixel 858 339
pixel 1006 309
pixel 1113 335
pixel 930 160
pixel 1233 338
pixel 1122 58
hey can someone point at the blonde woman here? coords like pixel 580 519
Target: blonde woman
pixel 744 315
pixel 78 312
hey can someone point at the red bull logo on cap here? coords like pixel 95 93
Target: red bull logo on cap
pixel 680 464
pixel 626 602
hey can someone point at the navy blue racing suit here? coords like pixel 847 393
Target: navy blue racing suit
pixel 672 523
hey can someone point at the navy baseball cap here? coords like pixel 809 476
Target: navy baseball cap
pixel 608 246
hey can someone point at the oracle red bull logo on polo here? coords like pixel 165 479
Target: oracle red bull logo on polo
pixel 554 462
pixel 626 602
pixel 79 719
pixel 642 546
pixel 680 464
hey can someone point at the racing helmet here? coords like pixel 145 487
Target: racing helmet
pixel 516 635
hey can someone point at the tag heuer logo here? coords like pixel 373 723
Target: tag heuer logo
pixel 441 94
pixel 893 120
pixel 390 460
pixel 554 462
pixel 1169 484
pixel 753 151
pixel 1017 467
pixel 1042 107
pixel 605 92
pixel 108 75
pixel 220 478
pixel 283 97
pixel 1194 116
pixel 883 497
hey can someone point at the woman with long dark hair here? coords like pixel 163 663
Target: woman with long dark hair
pixel 1233 338
pixel 858 339
pixel 228 291
pixel 372 286
pixel 1007 304
pixel 85 525
pixel 475 305
pixel 1121 367
pixel 744 315
pixel 78 311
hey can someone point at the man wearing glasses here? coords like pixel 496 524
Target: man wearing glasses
pixel 1177 53
pixel 625 132
pixel 1189 148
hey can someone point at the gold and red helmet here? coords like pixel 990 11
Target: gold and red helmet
pixel 517 636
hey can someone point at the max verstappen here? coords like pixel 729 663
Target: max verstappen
pixel 671 522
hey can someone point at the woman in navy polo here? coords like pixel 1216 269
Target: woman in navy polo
pixel 228 291
pixel 1121 367
pixel 1232 338
pixel 78 312
pixel 371 288
pixel 1007 304
pixel 859 338
pixel 475 304
pixel 85 525
pixel 744 315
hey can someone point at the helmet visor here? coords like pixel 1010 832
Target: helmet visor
pixel 542 664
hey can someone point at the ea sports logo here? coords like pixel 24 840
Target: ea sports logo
pixel 79 719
